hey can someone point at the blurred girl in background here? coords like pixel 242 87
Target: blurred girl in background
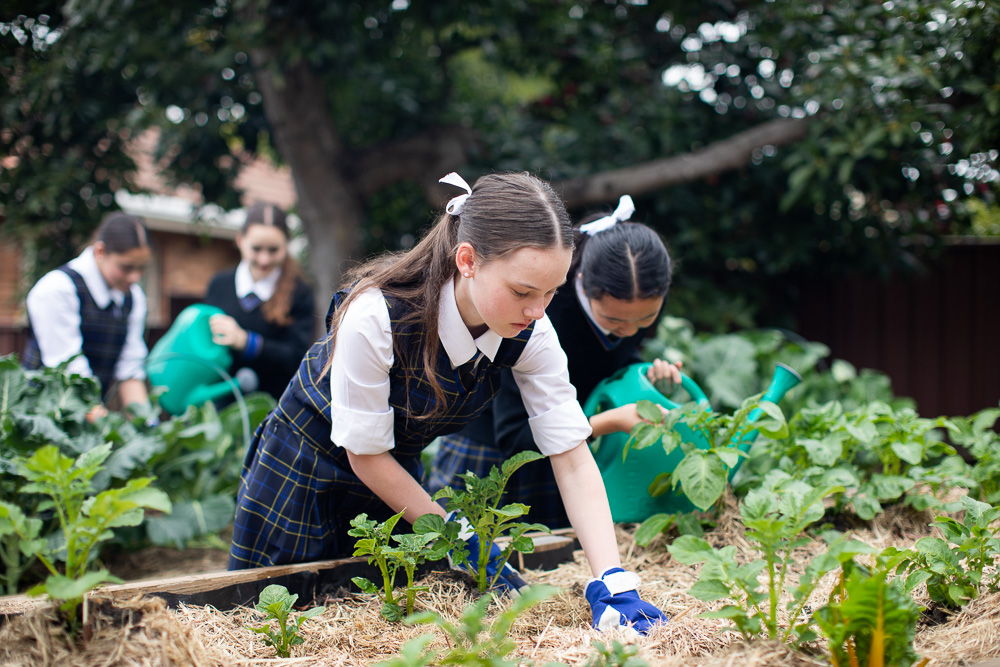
pixel 93 311
pixel 269 321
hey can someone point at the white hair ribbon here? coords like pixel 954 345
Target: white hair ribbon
pixel 455 204
pixel 622 214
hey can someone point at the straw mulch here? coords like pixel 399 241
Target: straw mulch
pixel 351 631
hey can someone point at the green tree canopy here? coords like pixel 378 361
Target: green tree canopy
pixel 763 139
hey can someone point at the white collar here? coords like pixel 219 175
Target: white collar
pixel 455 336
pixel 100 291
pixel 585 304
pixel 263 288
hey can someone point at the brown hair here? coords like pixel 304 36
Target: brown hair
pixel 504 213
pixel 121 232
pixel 277 309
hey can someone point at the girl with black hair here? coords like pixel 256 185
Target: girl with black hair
pixel 614 292
pixel 269 320
pixel 416 345
pixel 93 311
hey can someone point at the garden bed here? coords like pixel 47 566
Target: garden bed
pixel 143 629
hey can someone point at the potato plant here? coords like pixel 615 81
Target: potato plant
pixel 276 603
pixel 472 640
pixel 375 541
pixel 478 504
pixel 776 520
pixel 84 520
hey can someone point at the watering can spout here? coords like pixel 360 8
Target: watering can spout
pixel 783 379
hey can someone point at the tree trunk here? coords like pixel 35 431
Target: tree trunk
pixel 329 203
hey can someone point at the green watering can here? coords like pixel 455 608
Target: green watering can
pixel 188 363
pixel 628 481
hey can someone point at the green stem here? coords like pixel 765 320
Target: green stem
pixel 772 622
pixel 387 582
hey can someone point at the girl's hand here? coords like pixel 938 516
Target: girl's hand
pixel 623 418
pixel 96 413
pixel 225 331
pixel 664 370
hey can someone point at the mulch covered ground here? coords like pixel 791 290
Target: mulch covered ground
pixel 351 632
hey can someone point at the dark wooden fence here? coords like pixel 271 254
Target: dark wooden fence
pixel 937 334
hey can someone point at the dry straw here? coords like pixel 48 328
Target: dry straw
pixel 352 632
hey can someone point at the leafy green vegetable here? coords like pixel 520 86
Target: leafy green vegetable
pixel 775 519
pixel 477 503
pixel 84 520
pixel 276 603
pixel 411 550
pixel 473 642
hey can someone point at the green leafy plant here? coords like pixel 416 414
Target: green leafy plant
pixel 870 618
pixel 776 520
pixel 84 520
pixel 473 640
pixel 954 568
pixel 711 443
pixel 410 551
pixel 276 603
pixel 878 453
pixel 615 655
pixel 976 434
pixel 478 504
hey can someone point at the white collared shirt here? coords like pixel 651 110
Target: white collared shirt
pixel 54 312
pixel 263 288
pixel 585 305
pixel 362 420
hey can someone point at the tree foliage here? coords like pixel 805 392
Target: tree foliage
pixel 763 139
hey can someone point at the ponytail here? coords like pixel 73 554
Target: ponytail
pixel 502 214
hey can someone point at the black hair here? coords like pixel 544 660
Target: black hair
pixel 121 232
pixel 626 261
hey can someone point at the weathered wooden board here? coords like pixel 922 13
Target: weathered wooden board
pixel 226 590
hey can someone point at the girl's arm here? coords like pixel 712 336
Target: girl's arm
pixel 586 502
pixel 389 481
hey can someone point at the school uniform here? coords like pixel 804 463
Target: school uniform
pixel 72 311
pixel 502 431
pixel 298 491
pixel 272 351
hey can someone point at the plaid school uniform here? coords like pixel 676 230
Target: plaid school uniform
pixel 103 331
pixel 298 492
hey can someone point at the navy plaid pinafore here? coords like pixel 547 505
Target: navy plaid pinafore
pixel 298 492
pixel 103 331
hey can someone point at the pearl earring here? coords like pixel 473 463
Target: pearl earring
pixel 467 275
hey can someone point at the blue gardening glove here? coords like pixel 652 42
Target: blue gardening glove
pixel 614 602
pixel 509 581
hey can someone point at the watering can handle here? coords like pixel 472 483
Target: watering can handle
pixel 689 385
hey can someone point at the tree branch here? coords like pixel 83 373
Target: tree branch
pixel 731 153
pixel 432 153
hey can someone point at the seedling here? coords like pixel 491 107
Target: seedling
pixel 616 655
pixel 410 551
pixel 775 519
pixel 954 568
pixel 473 642
pixel 276 602
pixel 478 505
pixel 84 520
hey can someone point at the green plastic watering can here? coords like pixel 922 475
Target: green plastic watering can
pixel 627 482
pixel 188 363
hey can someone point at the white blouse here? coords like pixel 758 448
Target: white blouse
pixel 263 288
pixel 362 420
pixel 54 312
